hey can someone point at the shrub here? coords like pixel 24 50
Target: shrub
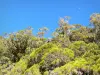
pixel 79 47
pixel 34 70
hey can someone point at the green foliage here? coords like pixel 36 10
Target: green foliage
pixel 95 20
pixel 50 56
pixel 92 46
pixel 5 68
pixel 93 57
pixel 46 73
pixel 71 67
pixel 18 42
pixel 55 58
pixel 3 49
pixel 96 66
pixel 79 47
pixel 36 55
pixel 81 33
pixel 41 50
pixel 21 43
pixel 20 67
pixel 34 70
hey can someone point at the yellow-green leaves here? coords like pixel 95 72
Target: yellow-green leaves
pixel 34 70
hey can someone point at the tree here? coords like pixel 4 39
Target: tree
pixel 95 20
pixel 82 33
pixel 79 48
pixel 63 32
pixel 42 32
pixel 2 47
pixel 64 25
pixel 3 51
pixel 18 42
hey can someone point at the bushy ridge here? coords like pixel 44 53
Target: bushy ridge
pixel 73 50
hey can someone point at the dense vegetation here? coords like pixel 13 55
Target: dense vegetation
pixel 73 50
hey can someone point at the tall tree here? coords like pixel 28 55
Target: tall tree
pixel 18 42
pixel 42 31
pixel 95 20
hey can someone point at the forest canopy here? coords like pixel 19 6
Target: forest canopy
pixel 72 50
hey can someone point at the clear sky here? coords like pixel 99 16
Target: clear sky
pixel 19 14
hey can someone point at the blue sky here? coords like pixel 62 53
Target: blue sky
pixel 19 14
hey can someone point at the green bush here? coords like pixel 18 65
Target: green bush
pixel 20 67
pixel 34 70
pixel 79 47
pixel 71 67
